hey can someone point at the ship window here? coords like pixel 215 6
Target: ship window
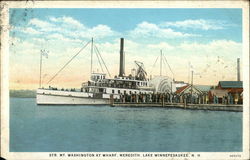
pixel 138 83
pixel 100 90
pixel 113 91
pixel 124 92
pixel 130 92
pixel 119 91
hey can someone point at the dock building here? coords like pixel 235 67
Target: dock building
pixel 227 92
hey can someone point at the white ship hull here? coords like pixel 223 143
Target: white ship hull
pixel 67 98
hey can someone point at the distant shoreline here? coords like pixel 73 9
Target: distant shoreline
pixel 23 93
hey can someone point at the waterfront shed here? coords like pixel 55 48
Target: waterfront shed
pixel 187 89
pixel 233 88
pixel 218 93
pixel 190 90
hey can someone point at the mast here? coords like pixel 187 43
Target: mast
pixel 192 83
pixel 40 80
pixel 188 72
pixel 161 64
pixel 92 41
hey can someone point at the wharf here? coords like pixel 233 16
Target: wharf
pixel 211 107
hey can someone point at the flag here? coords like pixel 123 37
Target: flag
pixel 44 53
pixel 191 67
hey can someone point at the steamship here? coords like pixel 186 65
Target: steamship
pixel 99 89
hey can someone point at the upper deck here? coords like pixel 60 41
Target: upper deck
pixel 128 82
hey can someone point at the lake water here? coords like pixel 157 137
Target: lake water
pixel 120 129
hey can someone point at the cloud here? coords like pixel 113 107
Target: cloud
pixel 161 45
pixel 22 46
pixel 196 24
pixel 216 47
pixel 149 30
pixel 101 31
pixel 42 25
pixel 60 37
pixel 69 21
pixel 73 28
pixel 30 30
pixel 69 27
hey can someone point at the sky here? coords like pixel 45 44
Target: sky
pixel 205 41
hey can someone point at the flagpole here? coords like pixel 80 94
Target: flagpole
pixel 40 70
pixel 188 72
pixel 192 73
pixel 92 41
pixel 161 64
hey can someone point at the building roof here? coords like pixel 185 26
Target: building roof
pixel 179 90
pixel 184 88
pixel 230 84
pixel 203 88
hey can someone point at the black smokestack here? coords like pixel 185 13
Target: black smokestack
pixel 122 60
pixel 238 69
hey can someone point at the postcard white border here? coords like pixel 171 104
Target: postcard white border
pixel 244 5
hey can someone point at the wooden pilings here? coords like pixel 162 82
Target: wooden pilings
pixel 171 101
pixel 211 107
pixel 111 100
